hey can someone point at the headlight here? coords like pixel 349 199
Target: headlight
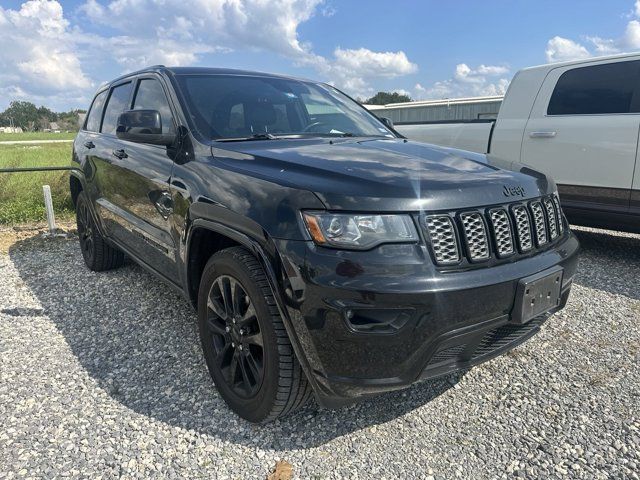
pixel 361 232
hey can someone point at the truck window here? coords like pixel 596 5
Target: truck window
pixel 150 96
pixel 117 103
pixel 596 89
pixel 95 112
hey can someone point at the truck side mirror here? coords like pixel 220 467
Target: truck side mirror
pixel 143 126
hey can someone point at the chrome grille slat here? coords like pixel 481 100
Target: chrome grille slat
pixel 538 221
pixel 503 235
pixel 443 239
pixel 556 202
pixel 475 235
pixel 523 227
pixel 551 218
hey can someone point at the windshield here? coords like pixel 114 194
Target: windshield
pixel 236 107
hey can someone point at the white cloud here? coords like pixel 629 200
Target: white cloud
pixel 50 56
pixel 39 51
pixel 353 70
pixel 561 49
pixel 466 81
pixel 227 25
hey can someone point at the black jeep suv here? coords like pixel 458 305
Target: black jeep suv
pixel 324 252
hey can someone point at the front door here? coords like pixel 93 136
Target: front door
pixel 134 180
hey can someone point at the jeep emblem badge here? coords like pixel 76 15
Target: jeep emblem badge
pixel 512 191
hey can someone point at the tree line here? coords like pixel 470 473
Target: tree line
pixel 31 118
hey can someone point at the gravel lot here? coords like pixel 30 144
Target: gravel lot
pixel 101 375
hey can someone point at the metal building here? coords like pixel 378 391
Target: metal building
pixel 436 111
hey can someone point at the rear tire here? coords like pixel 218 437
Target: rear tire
pixel 97 254
pixel 245 343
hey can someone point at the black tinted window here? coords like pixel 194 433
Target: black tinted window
pixel 95 113
pixel 598 89
pixel 150 96
pixel 118 103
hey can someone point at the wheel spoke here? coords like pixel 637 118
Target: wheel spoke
pixel 254 339
pixel 222 355
pixel 249 315
pixel 233 369
pixel 214 305
pixel 253 367
pixel 237 294
pixel 215 327
pixel 245 376
pixel 225 291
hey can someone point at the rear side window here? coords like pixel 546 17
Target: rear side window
pixel 150 96
pixel 597 89
pixel 118 103
pixel 95 112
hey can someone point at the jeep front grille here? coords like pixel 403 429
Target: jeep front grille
pixel 475 235
pixel 538 222
pixel 523 227
pixel 556 202
pixel 551 217
pixel 502 232
pixel 443 239
pixel 514 228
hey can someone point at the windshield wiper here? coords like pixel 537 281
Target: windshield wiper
pixel 255 136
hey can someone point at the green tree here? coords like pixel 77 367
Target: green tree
pixel 22 114
pixel 383 98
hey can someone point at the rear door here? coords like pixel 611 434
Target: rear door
pixel 583 131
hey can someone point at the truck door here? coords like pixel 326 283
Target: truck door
pixel 583 131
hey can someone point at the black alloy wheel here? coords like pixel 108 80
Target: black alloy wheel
pixel 235 332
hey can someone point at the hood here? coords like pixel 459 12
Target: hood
pixel 384 174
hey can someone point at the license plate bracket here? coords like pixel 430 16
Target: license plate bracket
pixel 537 294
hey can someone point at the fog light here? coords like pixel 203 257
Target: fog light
pixel 374 320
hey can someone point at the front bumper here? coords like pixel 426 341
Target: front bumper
pixel 370 322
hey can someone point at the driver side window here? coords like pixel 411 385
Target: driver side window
pixel 150 96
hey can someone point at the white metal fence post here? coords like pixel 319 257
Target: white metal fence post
pixel 48 205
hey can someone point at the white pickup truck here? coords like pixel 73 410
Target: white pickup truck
pixel 577 121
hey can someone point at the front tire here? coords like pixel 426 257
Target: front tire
pixel 97 254
pixel 245 343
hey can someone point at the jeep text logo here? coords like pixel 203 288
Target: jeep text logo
pixel 513 191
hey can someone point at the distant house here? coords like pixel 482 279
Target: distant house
pixel 53 126
pixel 10 130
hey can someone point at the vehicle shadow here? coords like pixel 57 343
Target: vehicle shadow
pixel 609 261
pixel 137 339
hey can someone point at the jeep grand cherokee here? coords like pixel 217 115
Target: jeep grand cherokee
pixel 325 253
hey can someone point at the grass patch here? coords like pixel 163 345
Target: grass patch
pixel 21 199
pixel 36 136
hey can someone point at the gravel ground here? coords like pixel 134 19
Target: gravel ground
pixel 101 375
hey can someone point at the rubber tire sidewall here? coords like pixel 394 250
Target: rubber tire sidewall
pixel 259 407
pixel 90 261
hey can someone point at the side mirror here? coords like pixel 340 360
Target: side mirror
pixel 387 121
pixel 143 126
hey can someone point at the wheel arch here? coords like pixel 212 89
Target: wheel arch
pixel 76 185
pixel 267 257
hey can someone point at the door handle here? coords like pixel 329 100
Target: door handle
pixel 543 134
pixel 120 153
pixel 89 144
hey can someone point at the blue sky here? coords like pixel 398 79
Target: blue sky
pixel 57 53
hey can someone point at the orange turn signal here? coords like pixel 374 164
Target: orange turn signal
pixel 314 228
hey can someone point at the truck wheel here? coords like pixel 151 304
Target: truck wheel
pixel 245 344
pixel 98 256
